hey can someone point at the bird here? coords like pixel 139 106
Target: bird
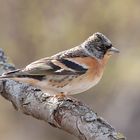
pixel 71 71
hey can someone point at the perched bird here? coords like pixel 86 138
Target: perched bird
pixel 71 71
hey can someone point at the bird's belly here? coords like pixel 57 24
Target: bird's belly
pixel 80 85
pixel 69 87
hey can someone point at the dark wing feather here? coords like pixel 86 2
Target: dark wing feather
pixel 72 65
pixel 47 66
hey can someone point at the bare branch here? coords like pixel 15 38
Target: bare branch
pixel 65 113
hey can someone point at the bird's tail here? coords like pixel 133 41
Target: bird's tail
pixel 20 74
pixel 12 74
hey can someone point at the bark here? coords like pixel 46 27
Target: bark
pixel 65 113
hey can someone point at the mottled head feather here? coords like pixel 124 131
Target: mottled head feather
pixel 97 45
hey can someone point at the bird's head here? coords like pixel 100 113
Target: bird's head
pixel 98 45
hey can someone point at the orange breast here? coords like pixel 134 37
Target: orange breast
pixel 95 67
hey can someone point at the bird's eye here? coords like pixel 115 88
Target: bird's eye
pixel 109 46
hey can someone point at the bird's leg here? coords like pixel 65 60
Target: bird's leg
pixel 60 95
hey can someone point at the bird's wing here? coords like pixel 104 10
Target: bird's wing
pixel 43 67
pixel 61 66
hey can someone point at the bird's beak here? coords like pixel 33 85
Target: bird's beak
pixel 113 50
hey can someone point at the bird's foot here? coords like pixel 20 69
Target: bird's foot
pixel 60 95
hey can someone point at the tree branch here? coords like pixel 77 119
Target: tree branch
pixel 65 113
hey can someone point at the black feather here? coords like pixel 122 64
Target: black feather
pixel 36 77
pixel 54 67
pixel 73 65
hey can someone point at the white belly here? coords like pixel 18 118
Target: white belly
pixel 81 86
pixel 76 86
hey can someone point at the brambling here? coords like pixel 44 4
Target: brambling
pixel 71 71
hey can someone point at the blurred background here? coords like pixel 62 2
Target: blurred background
pixel 30 30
